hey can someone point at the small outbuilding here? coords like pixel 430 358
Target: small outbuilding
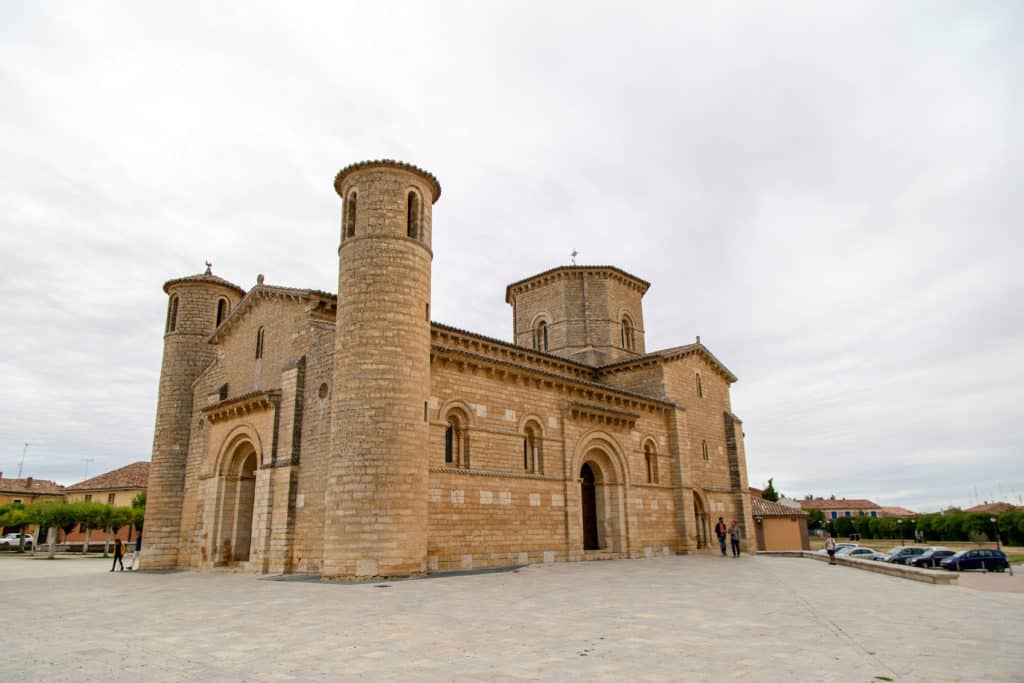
pixel 779 527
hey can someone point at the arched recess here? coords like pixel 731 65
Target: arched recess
pixel 650 450
pixel 701 519
pixel 457 416
pixel 599 463
pixel 234 471
pixel 532 430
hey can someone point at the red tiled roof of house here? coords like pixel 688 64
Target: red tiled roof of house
pixel 134 476
pixel 31 485
pixel 991 507
pixel 895 511
pixel 767 508
pixel 838 504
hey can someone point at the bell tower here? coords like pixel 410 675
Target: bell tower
pixel 376 500
pixel 196 305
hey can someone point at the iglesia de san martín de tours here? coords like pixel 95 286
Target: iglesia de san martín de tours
pixel 348 436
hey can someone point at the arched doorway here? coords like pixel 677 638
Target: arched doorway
pixel 588 500
pixel 700 519
pixel 237 491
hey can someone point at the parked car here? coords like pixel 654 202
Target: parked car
pixel 902 554
pixel 839 547
pixel 860 553
pixel 977 558
pixel 11 541
pixel 932 557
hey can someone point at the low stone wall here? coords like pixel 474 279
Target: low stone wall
pixel 934 576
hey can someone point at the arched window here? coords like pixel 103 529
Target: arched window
pixel 172 313
pixel 627 334
pixel 704 449
pixel 456 440
pixel 700 387
pixel 259 343
pixel 413 215
pixel 651 463
pixel 540 336
pixel 350 214
pixel 222 310
pixel 533 455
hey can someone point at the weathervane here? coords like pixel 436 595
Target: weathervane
pixel 573 256
pixel 208 267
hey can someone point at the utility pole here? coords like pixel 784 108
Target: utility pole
pixel 22 463
pixel 86 461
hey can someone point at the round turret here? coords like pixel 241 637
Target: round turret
pixel 377 478
pixel 196 306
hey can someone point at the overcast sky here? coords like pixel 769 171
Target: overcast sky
pixel 829 194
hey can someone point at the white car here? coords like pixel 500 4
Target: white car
pixel 860 553
pixel 11 541
pixel 840 547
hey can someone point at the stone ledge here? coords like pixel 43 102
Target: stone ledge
pixel 936 577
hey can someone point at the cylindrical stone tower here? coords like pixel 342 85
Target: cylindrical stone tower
pixel 196 305
pixel 376 500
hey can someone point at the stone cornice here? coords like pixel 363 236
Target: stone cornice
pixel 601 414
pixel 242 405
pixel 664 355
pixel 454 337
pixel 562 272
pixel 435 186
pixel 581 388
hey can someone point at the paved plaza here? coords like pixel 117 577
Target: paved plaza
pixel 691 618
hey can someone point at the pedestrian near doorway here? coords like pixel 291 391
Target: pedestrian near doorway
pixel 734 537
pixel 118 553
pixel 721 531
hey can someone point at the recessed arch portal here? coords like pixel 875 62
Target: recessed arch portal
pixel 601 498
pixel 236 497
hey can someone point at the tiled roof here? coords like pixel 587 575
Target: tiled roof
pixel 207 278
pixel 31 485
pixel 839 504
pixel 767 508
pixel 435 186
pixel 896 511
pixel 991 507
pixel 640 283
pixel 671 354
pixel 134 476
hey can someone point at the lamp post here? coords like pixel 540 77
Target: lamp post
pixel 899 525
pixel 995 523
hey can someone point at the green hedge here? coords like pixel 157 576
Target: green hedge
pixel 952 526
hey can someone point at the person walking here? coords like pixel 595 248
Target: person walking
pixel 734 537
pixel 118 553
pixel 830 547
pixel 138 551
pixel 721 531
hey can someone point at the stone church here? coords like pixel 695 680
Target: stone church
pixel 348 436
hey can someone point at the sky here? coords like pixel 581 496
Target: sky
pixel 828 194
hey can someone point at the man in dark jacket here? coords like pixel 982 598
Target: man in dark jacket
pixel 721 531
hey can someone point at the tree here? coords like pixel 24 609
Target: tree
pixel 770 493
pixel 52 516
pixel 815 518
pixel 90 516
pixel 15 515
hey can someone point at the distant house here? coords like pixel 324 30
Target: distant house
pixel 992 508
pixel 28 491
pixel 778 526
pixel 117 487
pixel 834 508
pixel 895 512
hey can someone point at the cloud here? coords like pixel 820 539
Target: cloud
pixel 827 195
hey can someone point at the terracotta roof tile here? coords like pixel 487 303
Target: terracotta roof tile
pixel 767 508
pixel 38 486
pixel 134 476
pixel 991 507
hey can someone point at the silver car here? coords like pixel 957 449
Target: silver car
pixel 860 553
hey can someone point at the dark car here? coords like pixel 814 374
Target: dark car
pixel 932 557
pixel 903 554
pixel 977 558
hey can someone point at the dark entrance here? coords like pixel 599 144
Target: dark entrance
pixel 588 496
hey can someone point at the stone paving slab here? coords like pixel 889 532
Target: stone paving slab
pixel 693 618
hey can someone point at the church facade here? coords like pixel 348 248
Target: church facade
pixel 348 436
